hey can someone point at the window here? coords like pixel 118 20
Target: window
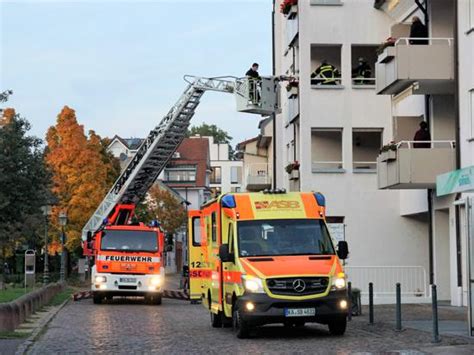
pixel 235 189
pixel 326 150
pixel 236 175
pixel 181 173
pixel 126 241
pixel 230 240
pixel 326 66
pixel 216 177
pixel 214 227
pixel 364 58
pixel 284 237
pixel 366 146
pixel 196 231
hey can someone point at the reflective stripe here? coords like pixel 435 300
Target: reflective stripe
pixel 128 258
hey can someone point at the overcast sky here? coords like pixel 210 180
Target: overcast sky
pixel 120 64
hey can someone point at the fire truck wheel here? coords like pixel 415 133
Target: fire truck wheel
pixel 241 328
pixel 337 326
pixel 216 319
pixel 97 299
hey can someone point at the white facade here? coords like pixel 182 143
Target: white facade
pixel 335 133
pixel 227 174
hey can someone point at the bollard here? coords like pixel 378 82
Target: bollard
pixel 349 301
pixel 371 303
pixel 399 308
pixel 434 306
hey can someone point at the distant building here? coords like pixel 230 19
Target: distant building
pixel 257 156
pixel 124 148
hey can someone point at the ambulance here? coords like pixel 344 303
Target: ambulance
pixel 261 258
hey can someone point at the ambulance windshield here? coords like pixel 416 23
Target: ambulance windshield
pixel 128 240
pixel 284 237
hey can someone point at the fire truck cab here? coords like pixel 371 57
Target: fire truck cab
pixel 260 258
pixel 128 259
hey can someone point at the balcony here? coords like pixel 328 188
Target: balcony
pixel 291 30
pixel 429 69
pixel 410 167
pixel 293 110
pixel 259 177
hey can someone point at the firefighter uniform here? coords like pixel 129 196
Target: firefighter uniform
pixel 325 74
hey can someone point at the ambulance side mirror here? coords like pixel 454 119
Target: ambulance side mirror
pixel 342 250
pixel 225 255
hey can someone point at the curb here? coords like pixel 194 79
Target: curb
pixel 24 347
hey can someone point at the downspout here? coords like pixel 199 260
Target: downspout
pixel 458 140
pixel 274 182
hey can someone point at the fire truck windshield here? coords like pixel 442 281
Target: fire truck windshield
pixel 128 240
pixel 284 237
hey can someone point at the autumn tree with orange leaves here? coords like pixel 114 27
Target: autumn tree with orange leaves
pixel 83 171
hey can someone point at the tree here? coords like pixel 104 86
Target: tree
pixel 166 208
pixel 220 136
pixel 24 182
pixel 82 171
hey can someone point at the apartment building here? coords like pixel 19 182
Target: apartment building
pixel 433 83
pixel 328 138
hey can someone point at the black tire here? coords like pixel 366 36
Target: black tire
pixel 157 300
pixel 338 326
pixel 216 320
pixel 241 328
pixel 109 297
pixel 97 299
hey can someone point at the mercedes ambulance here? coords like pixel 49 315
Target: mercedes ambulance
pixel 260 258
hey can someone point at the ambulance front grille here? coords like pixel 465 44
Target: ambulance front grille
pixel 298 286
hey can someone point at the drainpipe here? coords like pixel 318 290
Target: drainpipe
pixel 274 182
pixel 458 140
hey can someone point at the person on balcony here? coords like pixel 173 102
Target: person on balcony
pixel 362 72
pixel 423 134
pixel 254 82
pixel 325 74
pixel 418 30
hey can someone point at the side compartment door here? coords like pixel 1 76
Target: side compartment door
pixel 197 269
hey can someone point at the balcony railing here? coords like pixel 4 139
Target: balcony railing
pixel 415 165
pixel 293 109
pixel 327 167
pixel 363 83
pixel 291 30
pixel 428 68
pixel 259 176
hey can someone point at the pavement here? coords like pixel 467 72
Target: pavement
pixel 176 327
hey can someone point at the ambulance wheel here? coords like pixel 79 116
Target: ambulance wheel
pixel 337 326
pixel 97 299
pixel 216 320
pixel 157 300
pixel 241 328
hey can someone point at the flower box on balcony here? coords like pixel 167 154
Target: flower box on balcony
pixel 292 92
pixel 295 175
pixel 293 12
pixel 388 155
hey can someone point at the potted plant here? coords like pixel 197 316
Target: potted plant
pixel 292 88
pixel 388 152
pixel 293 170
pixel 289 8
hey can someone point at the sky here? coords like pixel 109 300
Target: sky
pixel 120 64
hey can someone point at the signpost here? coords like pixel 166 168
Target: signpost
pixel 30 268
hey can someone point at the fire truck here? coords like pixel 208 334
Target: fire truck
pixel 260 258
pixel 128 255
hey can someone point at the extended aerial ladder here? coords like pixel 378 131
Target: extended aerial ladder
pixel 252 96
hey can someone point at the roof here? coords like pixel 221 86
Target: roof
pixel 193 151
pixel 241 145
pixel 130 143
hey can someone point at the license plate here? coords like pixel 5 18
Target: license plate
pixel 128 279
pixel 300 312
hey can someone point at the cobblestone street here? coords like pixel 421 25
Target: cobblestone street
pixel 128 326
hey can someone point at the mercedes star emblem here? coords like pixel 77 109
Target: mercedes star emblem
pixel 299 285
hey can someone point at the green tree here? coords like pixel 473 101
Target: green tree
pixel 24 182
pixel 166 208
pixel 220 136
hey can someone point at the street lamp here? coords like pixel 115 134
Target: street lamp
pixel 46 209
pixel 62 222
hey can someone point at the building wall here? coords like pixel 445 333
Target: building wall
pixel 377 233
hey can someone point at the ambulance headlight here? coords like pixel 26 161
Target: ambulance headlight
pixel 339 282
pixel 253 284
pixel 100 279
pixel 155 281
